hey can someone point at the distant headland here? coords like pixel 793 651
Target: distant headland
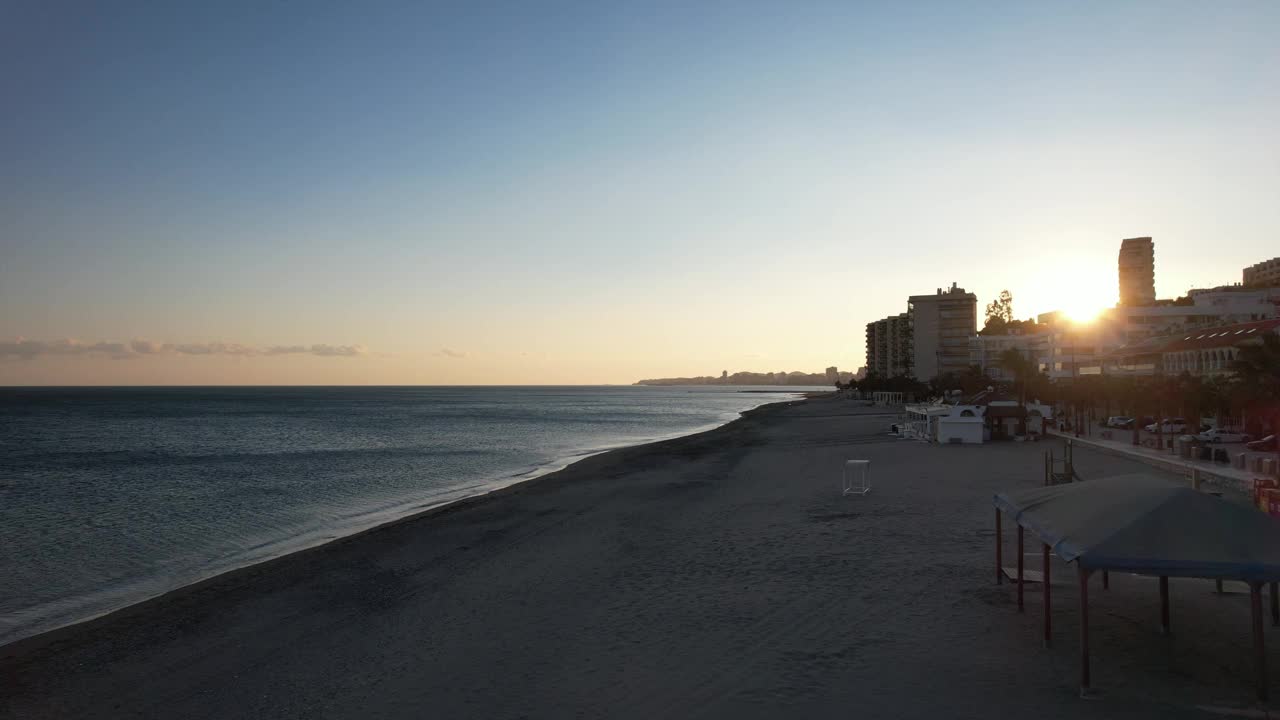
pixel 754 378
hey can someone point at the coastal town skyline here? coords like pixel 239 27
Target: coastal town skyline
pixel 429 197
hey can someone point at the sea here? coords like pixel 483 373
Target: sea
pixel 110 496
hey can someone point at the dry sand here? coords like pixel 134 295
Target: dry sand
pixel 720 575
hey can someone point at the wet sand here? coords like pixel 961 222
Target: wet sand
pixel 718 575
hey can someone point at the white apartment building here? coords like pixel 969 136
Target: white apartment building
pixel 985 351
pixel 889 346
pixel 1208 308
pixel 1266 272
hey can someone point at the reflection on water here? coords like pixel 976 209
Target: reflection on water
pixel 109 496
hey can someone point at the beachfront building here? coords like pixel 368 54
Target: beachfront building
pixel 941 326
pixel 1238 303
pixel 948 424
pixel 1265 273
pixel 1205 353
pixel 1137 265
pixel 1037 415
pixel 1072 349
pixel 1127 338
pixel 833 375
pixel 985 350
pixel 1208 308
pixel 889 346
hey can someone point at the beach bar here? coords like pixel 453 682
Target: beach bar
pixel 1146 525
pixel 944 423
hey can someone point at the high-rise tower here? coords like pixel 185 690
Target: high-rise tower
pixel 1137 271
pixel 941 325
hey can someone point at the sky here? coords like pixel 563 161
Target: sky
pixel 582 193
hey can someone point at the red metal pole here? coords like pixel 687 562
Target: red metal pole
pixel 1164 604
pixel 1084 627
pixel 1048 621
pixel 999 551
pixel 1021 559
pixel 1259 650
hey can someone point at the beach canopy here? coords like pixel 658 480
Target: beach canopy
pixel 1145 524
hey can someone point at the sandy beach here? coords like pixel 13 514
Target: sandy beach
pixel 717 575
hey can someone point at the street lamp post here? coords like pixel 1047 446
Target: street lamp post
pixel 1075 384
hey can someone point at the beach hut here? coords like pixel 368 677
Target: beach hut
pixel 963 424
pixel 940 423
pixel 1005 421
pixel 1146 525
pixel 920 422
pixel 1038 414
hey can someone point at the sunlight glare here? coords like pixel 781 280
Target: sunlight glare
pixel 1083 289
pixel 1084 310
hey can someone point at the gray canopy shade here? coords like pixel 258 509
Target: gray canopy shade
pixel 1145 524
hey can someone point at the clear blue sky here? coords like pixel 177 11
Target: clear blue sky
pixel 594 192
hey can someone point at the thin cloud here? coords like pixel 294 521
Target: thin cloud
pixel 32 348
pixel 29 349
pixel 216 348
pixel 337 350
pixel 446 352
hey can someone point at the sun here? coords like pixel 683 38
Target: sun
pixel 1083 310
pixel 1082 293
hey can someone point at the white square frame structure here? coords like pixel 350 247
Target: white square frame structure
pixel 857 477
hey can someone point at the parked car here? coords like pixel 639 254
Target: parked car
pixel 1220 436
pixel 1169 427
pixel 1266 443
pixel 1120 422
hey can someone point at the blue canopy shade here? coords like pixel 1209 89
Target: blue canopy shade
pixel 1145 524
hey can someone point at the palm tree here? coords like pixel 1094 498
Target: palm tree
pixel 1039 387
pixel 1190 391
pixel 1166 393
pixel 1137 394
pixel 1219 398
pixel 1109 389
pixel 1257 369
pixel 1015 363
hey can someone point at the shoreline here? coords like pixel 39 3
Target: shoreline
pixel 721 575
pixel 517 483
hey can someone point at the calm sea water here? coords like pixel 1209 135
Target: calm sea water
pixel 112 495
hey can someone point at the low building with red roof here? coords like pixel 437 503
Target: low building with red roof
pixel 1205 351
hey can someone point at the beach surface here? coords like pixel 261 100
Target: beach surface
pixel 717 575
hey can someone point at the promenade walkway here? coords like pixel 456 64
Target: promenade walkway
pixel 1216 473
